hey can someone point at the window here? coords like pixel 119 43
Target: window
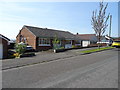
pixel 44 42
pixel 21 38
pixel 68 42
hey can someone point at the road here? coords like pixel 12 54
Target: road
pixel 96 70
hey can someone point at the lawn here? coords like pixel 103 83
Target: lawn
pixel 96 50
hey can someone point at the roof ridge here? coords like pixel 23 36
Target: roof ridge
pixel 45 28
pixel 45 32
pixel 32 26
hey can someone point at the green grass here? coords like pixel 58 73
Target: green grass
pixel 95 50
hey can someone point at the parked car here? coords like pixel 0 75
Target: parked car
pixel 116 44
pixel 29 48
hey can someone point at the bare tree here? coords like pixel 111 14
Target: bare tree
pixel 99 22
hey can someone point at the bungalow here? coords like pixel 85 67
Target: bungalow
pixel 3 46
pixel 106 40
pixel 87 39
pixel 116 38
pixel 42 38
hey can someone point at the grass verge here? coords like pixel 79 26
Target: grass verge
pixel 95 50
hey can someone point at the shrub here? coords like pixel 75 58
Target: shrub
pixel 20 48
pixel 73 46
pixel 61 48
pixel 56 42
pixel 76 46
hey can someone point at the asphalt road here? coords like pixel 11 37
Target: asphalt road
pixel 97 70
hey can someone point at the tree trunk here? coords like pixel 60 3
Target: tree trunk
pixel 99 41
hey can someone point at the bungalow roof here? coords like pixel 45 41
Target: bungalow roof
pixel 50 33
pixel 90 37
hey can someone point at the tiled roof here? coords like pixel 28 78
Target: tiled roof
pixel 50 33
pixel 91 37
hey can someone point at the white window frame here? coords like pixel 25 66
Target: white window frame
pixel 43 41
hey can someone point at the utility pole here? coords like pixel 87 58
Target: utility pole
pixel 110 40
pixel 110 25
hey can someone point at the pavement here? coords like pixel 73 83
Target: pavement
pixel 96 70
pixel 40 57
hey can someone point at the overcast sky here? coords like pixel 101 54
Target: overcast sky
pixel 68 16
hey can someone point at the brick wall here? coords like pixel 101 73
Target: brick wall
pixel 30 38
pixel 43 48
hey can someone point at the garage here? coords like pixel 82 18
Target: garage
pixel 3 47
pixel 87 39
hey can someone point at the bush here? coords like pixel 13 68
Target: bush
pixel 73 46
pixel 20 48
pixel 76 46
pixel 61 48
pixel 56 42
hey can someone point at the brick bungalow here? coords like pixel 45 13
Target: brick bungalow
pixel 3 46
pixel 41 38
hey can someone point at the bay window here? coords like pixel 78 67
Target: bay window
pixel 44 42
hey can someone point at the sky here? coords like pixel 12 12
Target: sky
pixel 74 17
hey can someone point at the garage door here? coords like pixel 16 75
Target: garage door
pixel 85 43
pixel 1 51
